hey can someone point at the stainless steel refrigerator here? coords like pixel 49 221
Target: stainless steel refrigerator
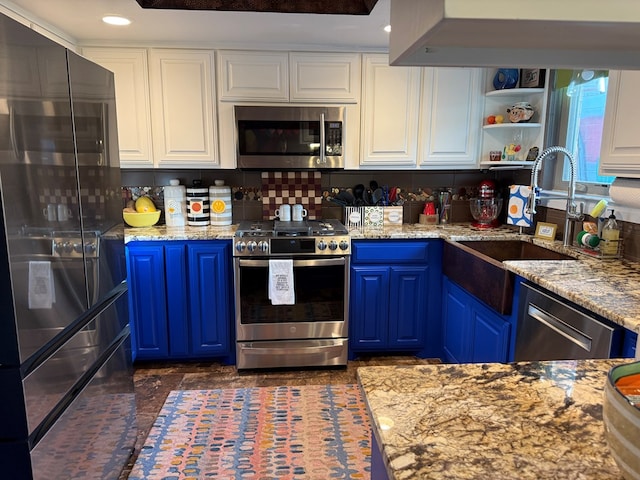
pixel 66 382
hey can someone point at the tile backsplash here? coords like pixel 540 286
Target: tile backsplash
pixel 291 188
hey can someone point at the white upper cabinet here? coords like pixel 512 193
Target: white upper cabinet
pixel 258 76
pixel 288 77
pixel 390 110
pixel 183 108
pixel 451 113
pixel 324 76
pixel 416 117
pixel 129 67
pixel 620 150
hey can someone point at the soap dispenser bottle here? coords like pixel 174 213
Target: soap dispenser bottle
pixel 610 236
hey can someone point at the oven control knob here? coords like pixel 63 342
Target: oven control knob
pixel 240 246
pixel 251 246
pixel 89 247
pixel 77 247
pixel 263 246
pixel 63 247
pixel 322 246
pixel 344 245
pixel 333 245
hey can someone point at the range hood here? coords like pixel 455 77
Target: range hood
pixel 516 33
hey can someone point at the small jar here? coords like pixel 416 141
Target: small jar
pixel 197 204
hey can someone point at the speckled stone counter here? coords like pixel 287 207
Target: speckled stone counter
pixel 610 288
pixel 539 420
pixel 162 232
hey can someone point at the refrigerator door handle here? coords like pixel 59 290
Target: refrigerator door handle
pixel 12 134
pixel 35 360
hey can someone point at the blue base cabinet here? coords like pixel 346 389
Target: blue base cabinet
pixel 180 299
pixel 394 300
pixel 473 332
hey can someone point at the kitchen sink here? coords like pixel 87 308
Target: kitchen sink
pixel 502 250
pixel 477 267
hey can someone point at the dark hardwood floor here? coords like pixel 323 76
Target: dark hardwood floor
pixel 154 381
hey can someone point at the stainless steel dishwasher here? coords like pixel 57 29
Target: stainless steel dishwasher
pixel 551 328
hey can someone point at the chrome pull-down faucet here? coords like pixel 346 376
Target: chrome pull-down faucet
pixel 571 213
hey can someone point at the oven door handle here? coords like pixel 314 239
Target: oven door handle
pixel 309 262
pixel 278 349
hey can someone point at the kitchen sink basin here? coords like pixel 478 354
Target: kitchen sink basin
pixel 502 250
pixel 477 267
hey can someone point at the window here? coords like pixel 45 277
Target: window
pixel 576 117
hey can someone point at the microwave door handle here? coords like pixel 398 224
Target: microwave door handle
pixel 323 146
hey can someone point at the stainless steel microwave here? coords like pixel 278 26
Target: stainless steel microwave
pixel 289 137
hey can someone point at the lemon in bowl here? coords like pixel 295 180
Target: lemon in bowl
pixel 144 205
pixel 141 219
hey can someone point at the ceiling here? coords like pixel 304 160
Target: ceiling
pixel 79 21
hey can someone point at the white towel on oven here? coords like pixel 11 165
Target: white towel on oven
pixel 41 293
pixel 281 291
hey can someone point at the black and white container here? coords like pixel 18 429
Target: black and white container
pixel 197 205
pixel 220 199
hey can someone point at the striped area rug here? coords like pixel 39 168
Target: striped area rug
pixel 306 432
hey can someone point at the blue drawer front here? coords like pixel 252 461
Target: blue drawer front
pixel 390 251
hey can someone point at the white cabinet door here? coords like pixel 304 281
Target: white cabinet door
pixel 620 151
pixel 325 76
pixel 390 108
pixel 183 108
pixel 450 118
pixel 130 71
pixel 258 76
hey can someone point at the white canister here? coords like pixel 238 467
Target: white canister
pixel 220 201
pixel 175 204
pixel 197 205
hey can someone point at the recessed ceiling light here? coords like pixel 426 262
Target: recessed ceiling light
pixel 116 20
pixel 387 28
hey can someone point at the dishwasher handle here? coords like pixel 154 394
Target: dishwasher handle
pixel 560 327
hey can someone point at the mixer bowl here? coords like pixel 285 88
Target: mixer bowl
pixel 485 211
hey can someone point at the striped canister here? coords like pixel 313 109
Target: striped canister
pixel 197 204
pixel 220 200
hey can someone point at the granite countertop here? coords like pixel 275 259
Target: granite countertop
pixel 162 232
pixel 529 420
pixel 610 288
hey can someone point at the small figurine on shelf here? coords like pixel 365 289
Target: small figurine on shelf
pixel 509 152
pixel 533 154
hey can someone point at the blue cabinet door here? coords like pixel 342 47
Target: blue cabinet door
pixel 490 337
pixel 455 319
pixel 407 317
pixel 629 344
pixel 210 299
pixel 147 301
pixel 395 296
pixel 472 332
pixel 177 298
pixel 369 305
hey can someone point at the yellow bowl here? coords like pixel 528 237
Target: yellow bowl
pixel 145 219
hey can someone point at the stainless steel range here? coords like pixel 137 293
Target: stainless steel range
pixel 311 328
